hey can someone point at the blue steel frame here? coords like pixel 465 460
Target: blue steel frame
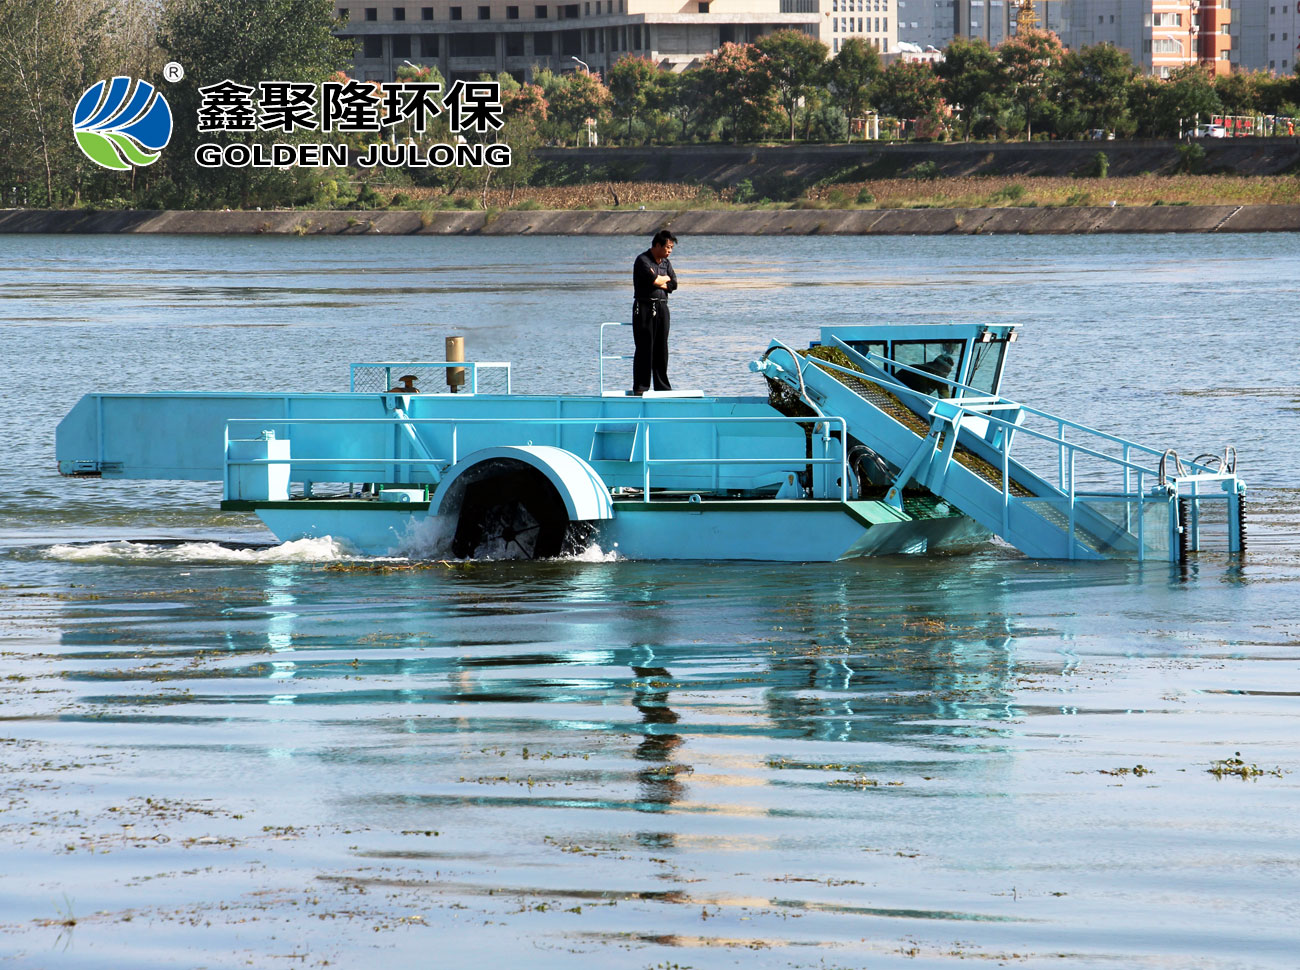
pixel 643 424
pixel 952 410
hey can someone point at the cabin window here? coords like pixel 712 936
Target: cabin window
pixel 869 347
pixel 986 364
pixel 941 358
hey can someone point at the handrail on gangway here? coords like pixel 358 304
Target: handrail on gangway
pixel 1069 450
pixel 952 411
pixel 986 403
pixel 646 460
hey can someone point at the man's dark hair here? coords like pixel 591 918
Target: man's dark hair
pixel 663 236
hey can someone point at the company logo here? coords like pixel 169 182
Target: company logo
pixel 119 124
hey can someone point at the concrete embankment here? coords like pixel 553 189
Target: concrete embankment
pixel 781 222
pixel 770 169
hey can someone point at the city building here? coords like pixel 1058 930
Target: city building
pixel 1215 43
pixel 465 39
pixel 1160 35
pixel 934 23
pixel 874 20
pixel 1265 35
pixel 927 23
pixel 995 20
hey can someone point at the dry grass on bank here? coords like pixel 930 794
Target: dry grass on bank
pixel 595 195
pixel 969 192
pixel 1000 191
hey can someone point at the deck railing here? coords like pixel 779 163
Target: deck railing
pixel 602 356
pixel 370 373
pixel 643 425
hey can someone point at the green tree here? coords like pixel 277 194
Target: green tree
pixel 437 129
pixel 1243 92
pixel 50 52
pixel 735 86
pixel 1187 94
pixel 680 97
pixel 632 86
pixel 909 90
pixel 972 80
pixel 573 99
pixel 1095 84
pixel 1273 92
pixel 526 101
pixel 852 74
pixel 525 112
pixel 1144 104
pixel 245 41
pixel 1032 60
pixel 1280 90
pixel 794 62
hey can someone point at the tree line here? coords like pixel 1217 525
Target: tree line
pixel 785 86
pixel 782 87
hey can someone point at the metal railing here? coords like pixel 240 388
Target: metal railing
pixel 1165 489
pixel 604 356
pixel 983 404
pixel 643 425
pixel 388 368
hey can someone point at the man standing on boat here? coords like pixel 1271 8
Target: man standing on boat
pixel 652 280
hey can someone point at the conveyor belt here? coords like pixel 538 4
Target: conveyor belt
pixel 900 412
pixel 890 404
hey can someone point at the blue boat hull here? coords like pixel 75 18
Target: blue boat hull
pixel 773 531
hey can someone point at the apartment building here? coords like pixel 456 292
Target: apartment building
pixel 1160 35
pixel 1215 43
pixel 927 23
pixel 464 39
pixel 874 20
pixel 1265 35
pixel 934 23
pixel 995 20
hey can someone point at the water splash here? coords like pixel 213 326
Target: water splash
pixel 593 553
pixel 324 549
pixel 427 538
pixel 430 538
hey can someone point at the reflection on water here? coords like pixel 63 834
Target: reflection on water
pixel 880 761
pixel 284 755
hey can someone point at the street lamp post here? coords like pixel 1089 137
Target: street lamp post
pixel 591 122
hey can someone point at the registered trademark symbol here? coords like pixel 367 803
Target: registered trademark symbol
pixel 173 72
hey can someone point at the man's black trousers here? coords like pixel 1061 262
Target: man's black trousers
pixel 650 331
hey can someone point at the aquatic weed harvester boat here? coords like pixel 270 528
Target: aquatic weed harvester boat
pixel 874 440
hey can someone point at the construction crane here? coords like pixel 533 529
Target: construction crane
pixel 1026 17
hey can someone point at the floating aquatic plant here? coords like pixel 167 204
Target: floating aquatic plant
pixel 1235 766
pixel 1137 771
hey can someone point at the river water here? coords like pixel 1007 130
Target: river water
pixel 218 752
